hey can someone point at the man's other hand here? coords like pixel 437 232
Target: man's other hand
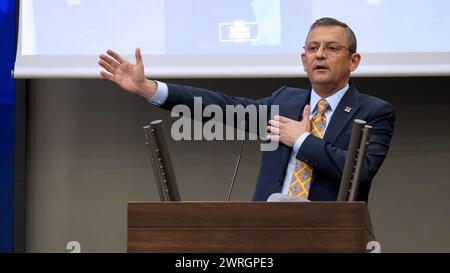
pixel 287 130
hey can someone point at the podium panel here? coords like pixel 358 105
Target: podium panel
pixel 241 227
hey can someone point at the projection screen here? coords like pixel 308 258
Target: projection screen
pixel 226 38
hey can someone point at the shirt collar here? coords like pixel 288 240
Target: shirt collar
pixel 332 100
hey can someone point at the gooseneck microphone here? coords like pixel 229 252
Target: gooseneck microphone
pixel 237 162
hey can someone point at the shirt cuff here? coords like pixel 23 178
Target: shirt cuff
pixel 161 94
pixel 298 143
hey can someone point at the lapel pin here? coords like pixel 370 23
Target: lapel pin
pixel 348 109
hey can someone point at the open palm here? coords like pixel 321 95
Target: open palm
pixel 130 77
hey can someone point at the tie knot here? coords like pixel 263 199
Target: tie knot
pixel 322 106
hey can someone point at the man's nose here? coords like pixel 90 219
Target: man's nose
pixel 321 52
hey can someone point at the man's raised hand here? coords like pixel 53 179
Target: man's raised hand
pixel 130 77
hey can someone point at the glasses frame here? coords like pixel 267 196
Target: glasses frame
pixel 327 50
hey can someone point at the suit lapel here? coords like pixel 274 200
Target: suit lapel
pixel 346 109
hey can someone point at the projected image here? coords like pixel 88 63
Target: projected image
pixel 87 27
pixel 223 26
pixel 228 37
pixel 159 27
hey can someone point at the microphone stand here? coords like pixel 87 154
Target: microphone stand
pixel 237 164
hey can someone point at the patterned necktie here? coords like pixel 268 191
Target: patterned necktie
pixel 301 178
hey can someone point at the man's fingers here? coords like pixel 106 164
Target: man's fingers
pixel 273 138
pixel 273 129
pixel 107 66
pixel 274 123
pixel 109 61
pixel 116 56
pixel 281 119
pixel 306 112
pixel 138 55
pixel 107 76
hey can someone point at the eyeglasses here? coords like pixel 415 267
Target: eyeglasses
pixel 330 48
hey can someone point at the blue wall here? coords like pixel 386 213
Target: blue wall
pixel 7 50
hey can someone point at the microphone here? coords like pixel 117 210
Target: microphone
pixel 237 162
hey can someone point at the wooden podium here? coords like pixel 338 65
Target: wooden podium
pixel 241 227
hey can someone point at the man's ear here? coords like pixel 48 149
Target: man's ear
pixel 303 58
pixel 355 59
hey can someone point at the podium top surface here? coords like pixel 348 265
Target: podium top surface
pixel 249 215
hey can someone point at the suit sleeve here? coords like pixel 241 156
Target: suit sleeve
pixel 330 160
pixel 181 94
pixel 184 95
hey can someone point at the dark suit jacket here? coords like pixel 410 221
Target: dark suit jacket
pixel 327 155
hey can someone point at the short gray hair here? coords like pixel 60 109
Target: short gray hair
pixel 327 22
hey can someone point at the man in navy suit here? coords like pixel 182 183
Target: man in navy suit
pixel 329 57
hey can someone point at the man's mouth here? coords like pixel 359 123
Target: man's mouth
pixel 320 67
